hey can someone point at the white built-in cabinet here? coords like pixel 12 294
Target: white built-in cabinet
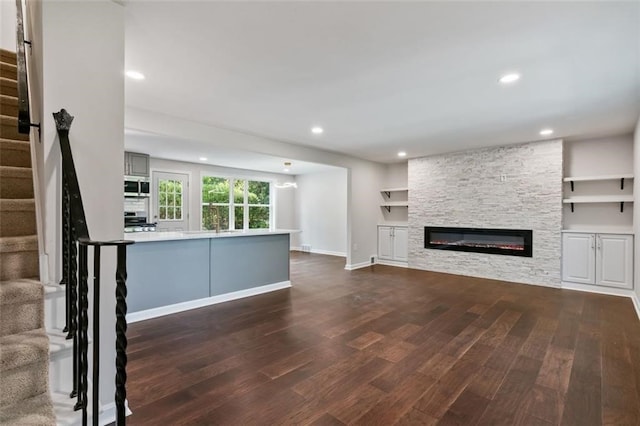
pixel 136 164
pixel 393 243
pixel 598 258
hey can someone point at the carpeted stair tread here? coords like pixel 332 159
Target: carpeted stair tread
pixel 8 57
pixel 9 105
pixel 14 244
pixel 35 411
pixel 15 153
pixel 17 217
pixel 24 290
pixel 16 182
pixel 23 349
pixel 11 171
pixel 8 71
pixel 8 87
pixel 17 205
pixel 20 312
pixel 9 124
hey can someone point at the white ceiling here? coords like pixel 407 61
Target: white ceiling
pixel 385 76
pixel 168 148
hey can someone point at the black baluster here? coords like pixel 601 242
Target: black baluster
pixel 121 334
pixel 96 333
pixel 73 299
pixel 65 250
pixel 83 340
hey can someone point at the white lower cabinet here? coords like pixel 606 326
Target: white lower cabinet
pixel 393 243
pixel 600 259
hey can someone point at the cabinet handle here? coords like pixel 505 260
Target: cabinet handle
pixel 593 242
pixel 599 242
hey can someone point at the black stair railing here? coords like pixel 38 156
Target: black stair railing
pixel 24 113
pixel 76 241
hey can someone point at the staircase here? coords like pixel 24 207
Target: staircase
pixel 24 345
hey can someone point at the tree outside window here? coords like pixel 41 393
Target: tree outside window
pixel 170 199
pixel 224 208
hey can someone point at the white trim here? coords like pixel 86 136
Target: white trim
pixel 108 412
pixel 199 303
pixel 393 263
pixel 316 251
pixel 636 303
pixel 329 252
pixel 355 266
pixel 610 291
pixel 245 199
pixel 44 265
pixel 153 190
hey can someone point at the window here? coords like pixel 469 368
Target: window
pixel 215 203
pixel 258 202
pixel 229 203
pixel 169 199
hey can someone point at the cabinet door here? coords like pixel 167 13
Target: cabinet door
pixel 126 164
pixel 578 258
pixel 401 244
pixel 614 265
pixel 385 247
pixel 138 164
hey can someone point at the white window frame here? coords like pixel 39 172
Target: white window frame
pixel 232 204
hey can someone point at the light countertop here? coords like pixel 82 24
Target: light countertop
pixel 141 237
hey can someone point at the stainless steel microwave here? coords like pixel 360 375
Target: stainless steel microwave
pixel 136 188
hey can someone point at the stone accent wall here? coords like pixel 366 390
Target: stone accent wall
pixel 517 186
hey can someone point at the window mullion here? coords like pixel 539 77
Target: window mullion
pixel 245 224
pixel 232 203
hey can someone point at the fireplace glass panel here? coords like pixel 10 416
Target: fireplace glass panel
pixel 495 241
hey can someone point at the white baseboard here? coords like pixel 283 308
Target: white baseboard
pixel 354 266
pixel 317 251
pixel 199 303
pixel 393 263
pixel 108 413
pixel 610 291
pixel 636 304
pixel 329 252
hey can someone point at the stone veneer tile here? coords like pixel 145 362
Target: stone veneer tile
pixel 464 189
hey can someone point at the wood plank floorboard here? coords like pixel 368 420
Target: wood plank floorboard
pixel 383 346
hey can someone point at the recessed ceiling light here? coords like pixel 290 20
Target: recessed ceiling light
pixel 136 75
pixel 317 130
pixel 203 158
pixel 402 154
pixel 546 132
pixel 285 170
pixel 509 78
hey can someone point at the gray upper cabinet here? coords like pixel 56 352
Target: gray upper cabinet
pixel 136 164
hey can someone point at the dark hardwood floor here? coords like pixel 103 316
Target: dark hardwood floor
pixel 384 345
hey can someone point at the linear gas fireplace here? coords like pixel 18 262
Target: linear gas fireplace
pixel 511 242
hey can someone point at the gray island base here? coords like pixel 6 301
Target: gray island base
pixel 171 272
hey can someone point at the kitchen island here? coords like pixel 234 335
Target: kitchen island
pixel 171 272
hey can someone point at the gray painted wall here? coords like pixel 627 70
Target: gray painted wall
pixel 465 189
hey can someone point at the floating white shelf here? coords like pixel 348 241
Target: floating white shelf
pixel 394 189
pixel 600 199
pixel 395 204
pixel 595 178
pixel 601 230
pixel 390 204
